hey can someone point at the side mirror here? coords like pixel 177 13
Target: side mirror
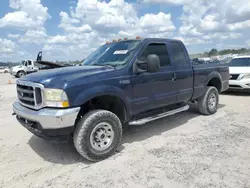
pixel 153 63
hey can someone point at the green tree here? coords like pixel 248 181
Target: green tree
pixel 213 52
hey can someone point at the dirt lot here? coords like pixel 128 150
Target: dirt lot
pixel 185 150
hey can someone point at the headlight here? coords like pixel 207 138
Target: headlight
pixel 55 98
pixel 245 76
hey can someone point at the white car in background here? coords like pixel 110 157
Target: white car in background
pixel 6 70
pixel 239 69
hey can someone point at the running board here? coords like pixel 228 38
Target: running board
pixel 158 116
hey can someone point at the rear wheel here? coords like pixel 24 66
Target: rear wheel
pixel 97 135
pixel 208 103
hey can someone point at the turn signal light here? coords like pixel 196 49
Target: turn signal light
pixel 138 37
pixel 65 104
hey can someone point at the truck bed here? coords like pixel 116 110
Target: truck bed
pixel 202 74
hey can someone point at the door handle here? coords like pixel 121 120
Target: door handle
pixel 173 76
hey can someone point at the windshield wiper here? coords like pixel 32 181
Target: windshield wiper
pixel 105 65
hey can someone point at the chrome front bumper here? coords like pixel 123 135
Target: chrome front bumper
pixel 48 118
pixel 239 84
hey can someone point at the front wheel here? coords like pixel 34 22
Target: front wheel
pixel 20 74
pixel 97 135
pixel 208 103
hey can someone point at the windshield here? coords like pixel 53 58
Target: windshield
pixel 114 54
pixel 22 63
pixel 240 62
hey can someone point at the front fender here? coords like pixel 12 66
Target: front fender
pixel 96 91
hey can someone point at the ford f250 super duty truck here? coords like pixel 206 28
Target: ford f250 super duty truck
pixel 122 83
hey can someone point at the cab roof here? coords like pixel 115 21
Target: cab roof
pixel 144 40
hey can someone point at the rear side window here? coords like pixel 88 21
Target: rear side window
pixel 178 54
pixel 158 49
pixel 240 62
pixel 29 62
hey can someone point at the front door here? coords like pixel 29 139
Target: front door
pixel 153 90
pixel 29 66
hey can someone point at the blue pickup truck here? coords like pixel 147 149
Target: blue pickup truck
pixel 122 83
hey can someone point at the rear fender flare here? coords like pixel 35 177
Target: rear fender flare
pixel 212 75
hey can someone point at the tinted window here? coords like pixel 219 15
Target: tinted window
pixel 178 54
pixel 158 49
pixel 240 62
pixel 29 62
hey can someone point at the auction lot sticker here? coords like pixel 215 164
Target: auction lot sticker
pixel 121 52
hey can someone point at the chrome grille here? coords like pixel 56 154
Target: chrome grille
pixel 30 94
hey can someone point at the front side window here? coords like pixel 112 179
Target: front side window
pixel 160 49
pixel 240 62
pixel 178 54
pixel 114 54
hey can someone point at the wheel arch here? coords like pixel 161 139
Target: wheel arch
pixel 112 101
pixel 214 79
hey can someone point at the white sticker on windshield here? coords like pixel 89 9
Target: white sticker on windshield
pixel 121 52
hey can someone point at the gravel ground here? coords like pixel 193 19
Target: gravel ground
pixel 184 150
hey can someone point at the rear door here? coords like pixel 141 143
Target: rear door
pixel 183 71
pixel 152 90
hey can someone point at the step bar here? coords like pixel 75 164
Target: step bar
pixel 158 116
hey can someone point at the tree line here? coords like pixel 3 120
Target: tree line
pixel 215 52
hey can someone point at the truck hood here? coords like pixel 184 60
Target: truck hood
pixel 239 70
pixel 17 67
pixel 60 77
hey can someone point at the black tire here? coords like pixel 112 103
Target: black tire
pixel 82 134
pixel 20 74
pixel 203 102
pixel 5 71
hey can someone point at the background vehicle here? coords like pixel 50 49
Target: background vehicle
pixel 25 67
pixel 201 61
pixel 122 83
pixel 6 70
pixel 239 68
